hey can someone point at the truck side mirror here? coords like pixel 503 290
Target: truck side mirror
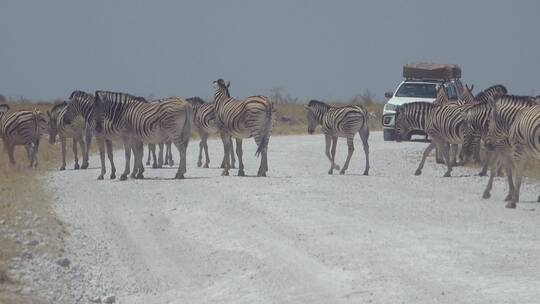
pixel 388 94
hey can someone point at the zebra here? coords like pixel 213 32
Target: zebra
pixel 205 122
pixel 22 128
pixel 504 111
pixel 136 121
pixel 336 122
pixel 524 140
pixel 57 126
pixel 476 119
pixel 82 105
pixel 251 117
pixel 443 124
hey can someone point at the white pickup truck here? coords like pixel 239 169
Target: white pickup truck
pixel 421 84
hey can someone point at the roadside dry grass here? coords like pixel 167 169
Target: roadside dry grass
pixel 26 208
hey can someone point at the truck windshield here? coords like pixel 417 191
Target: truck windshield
pixel 420 90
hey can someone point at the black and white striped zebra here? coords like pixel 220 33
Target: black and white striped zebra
pixel 251 117
pixel 205 123
pixel 343 121
pixel 524 140
pixel 81 105
pixel 476 118
pixel 74 130
pixel 503 113
pixel 135 121
pixel 22 128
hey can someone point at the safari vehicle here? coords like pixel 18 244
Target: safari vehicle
pixel 421 83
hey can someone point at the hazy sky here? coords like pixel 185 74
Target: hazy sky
pixel 312 49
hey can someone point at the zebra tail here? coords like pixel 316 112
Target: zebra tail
pixel 186 130
pixel 266 130
pixel 37 126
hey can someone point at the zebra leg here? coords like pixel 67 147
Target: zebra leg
pixel 10 151
pixel 201 148
pixel 83 149
pixel 439 159
pixel 138 155
pixel 75 156
pixel 160 156
pixel 264 162
pixel 333 151
pixel 518 164
pixel 226 139
pixel 508 169
pixel 453 154
pixel 135 163
pixel 154 158
pixel 487 161
pixel 127 153
pixel 101 146
pixel 350 151
pixel 449 163
pixel 149 154
pixel 29 152
pixel 63 145
pixel 239 153
pixel 428 150
pixel 233 161
pixel 494 167
pixel 86 151
pixel 333 166
pixel 108 143
pixel 182 147
pixel 169 152
pixel 205 147
pixel 364 136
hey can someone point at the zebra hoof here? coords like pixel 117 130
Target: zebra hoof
pixel 486 195
pixel 133 175
pixel 139 176
pixel 342 172
pixel 366 173
pixel 447 174
pixel 482 173
pixel 148 163
pixel 123 177
pixel 84 166
pixel 62 168
pixel 76 167
pixel 330 172
pixel 222 166
pixel 225 173
pixel 241 173
pixel 179 176
pixel 261 174
pixel 199 164
pixel 171 163
pixel 417 172
pixel 508 197
pixel 154 166
pixel 100 177
pixel 160 166
pixel 511 205
pixel 205 165
pixel 113 176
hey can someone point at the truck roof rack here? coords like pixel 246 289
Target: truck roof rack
pixel 431 71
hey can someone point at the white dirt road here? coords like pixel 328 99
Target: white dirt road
pixel 299 235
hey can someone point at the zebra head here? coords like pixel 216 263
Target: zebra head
pixel 467 95
pixel 314 113
pixel 53 120
pixel 471 135
pixel 72 110
pixel 442 96
pixel 195 101
pixel 221 89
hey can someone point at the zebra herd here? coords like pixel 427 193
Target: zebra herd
pixel 509 126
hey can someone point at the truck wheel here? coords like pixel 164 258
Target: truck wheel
pixel 389 135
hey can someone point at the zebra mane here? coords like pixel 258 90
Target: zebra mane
pixel 196 101
pixel 106 96
pixel 316 103
pixel 4 108
pixel 495 88
pixel 79 94
pixel 59 106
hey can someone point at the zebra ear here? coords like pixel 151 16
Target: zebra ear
pixel 49 113
pixel 227 84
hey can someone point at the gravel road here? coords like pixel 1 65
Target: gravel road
pixel 298 236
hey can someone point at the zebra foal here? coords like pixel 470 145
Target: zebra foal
pixel 337 122
pixel 135 121
pixel 22 128
pixel 251 117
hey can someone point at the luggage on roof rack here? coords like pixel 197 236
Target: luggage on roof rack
pixel 431 71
